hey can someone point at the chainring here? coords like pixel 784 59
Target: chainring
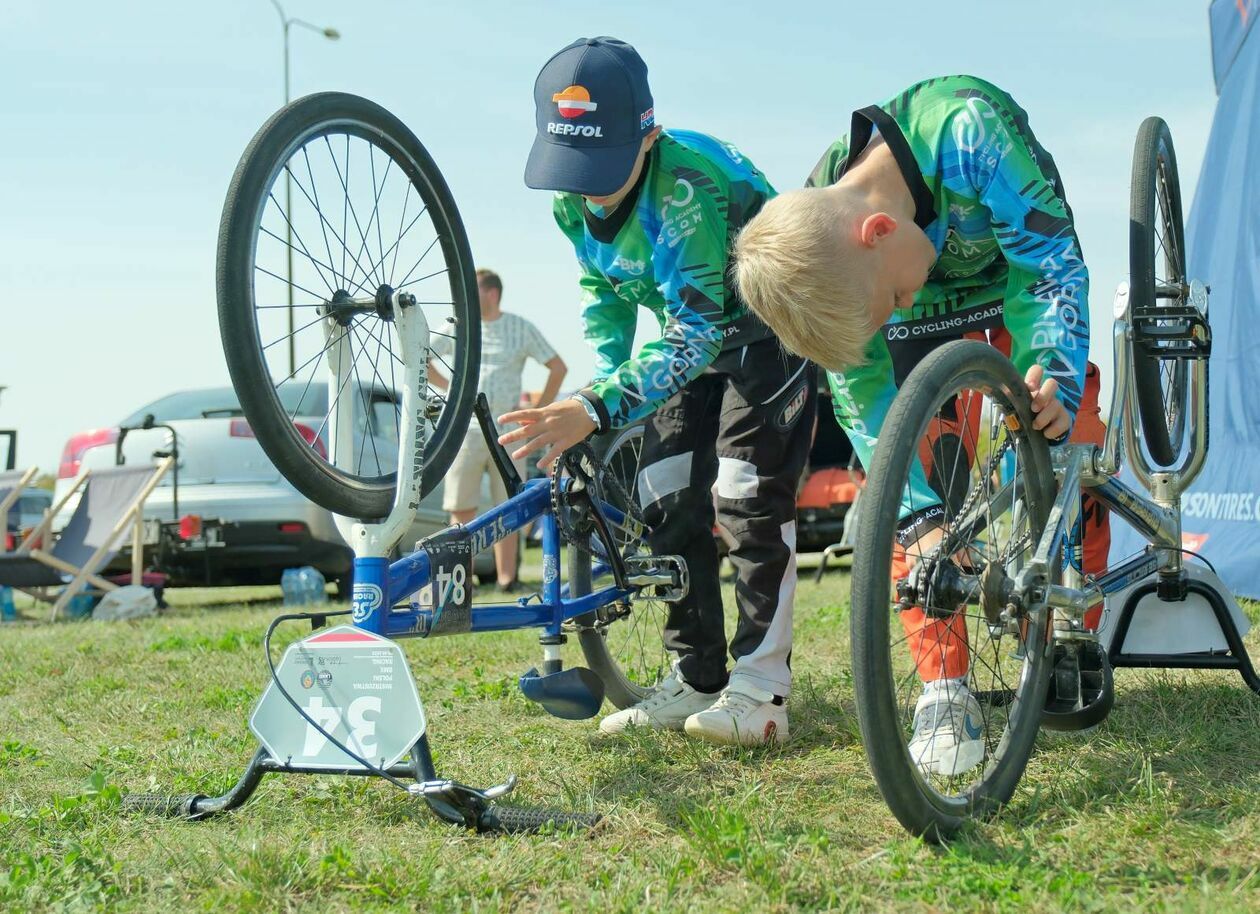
pixel 578 473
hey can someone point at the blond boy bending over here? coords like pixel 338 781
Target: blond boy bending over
pixel 939 217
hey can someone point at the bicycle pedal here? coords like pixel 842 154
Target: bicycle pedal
pixel 573 694
pixel 665 577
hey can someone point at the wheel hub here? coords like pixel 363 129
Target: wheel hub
pixel 342 307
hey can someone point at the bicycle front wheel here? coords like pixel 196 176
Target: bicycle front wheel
pixel 334 207
pixel 1157 282
pixel 958 452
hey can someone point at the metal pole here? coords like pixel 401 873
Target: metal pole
pixel 288 216
pixel 332 34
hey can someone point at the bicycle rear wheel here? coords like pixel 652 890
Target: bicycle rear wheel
pixel 954 422
pixel 366 213
pixel 624 644
pixel 1157 282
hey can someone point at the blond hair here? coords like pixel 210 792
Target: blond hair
pixel 797 267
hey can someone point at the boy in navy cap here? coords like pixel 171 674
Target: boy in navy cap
pixel 651 215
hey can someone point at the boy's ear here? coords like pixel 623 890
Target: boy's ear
pixel 875 228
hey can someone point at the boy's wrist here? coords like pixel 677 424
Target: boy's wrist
pixel 594 407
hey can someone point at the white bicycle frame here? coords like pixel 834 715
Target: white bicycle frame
pixel 376 539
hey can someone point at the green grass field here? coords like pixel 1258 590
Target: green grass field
pixel 1158 809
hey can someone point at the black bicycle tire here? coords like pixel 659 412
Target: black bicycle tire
pixel 618 688
pixel 336 490
pixel 1153 143
pixel 915 405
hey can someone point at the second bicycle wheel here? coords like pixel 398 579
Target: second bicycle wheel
pixel 1157 282
pixel 335 207
pixel 623 643
pixel 950 681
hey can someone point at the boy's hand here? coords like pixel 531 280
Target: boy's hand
pixel 557 427
pixel 1050 417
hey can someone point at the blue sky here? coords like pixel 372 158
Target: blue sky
pixel 124 122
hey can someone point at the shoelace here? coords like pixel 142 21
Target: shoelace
pixel 666 691
pixel 736 702
pixel 945 711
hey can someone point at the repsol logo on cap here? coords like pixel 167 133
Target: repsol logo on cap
pixel 573 129
pixel 571 103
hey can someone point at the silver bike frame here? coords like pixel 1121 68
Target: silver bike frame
pixel 1157 517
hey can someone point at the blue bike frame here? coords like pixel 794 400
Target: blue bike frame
pixel 395 582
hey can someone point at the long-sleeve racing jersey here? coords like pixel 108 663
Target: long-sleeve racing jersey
pixel 990 199
pixel 664 248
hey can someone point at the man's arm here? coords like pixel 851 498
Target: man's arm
pixel 441 347
pixel 436 378
pixel 555 378
pixel 1046 310
pixel 535 346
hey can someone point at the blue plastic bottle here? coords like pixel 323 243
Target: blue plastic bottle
pixel 8 612
pixel 291 585
pixel 314 586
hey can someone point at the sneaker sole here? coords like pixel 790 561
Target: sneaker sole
pixel 953 761
pixel 772 735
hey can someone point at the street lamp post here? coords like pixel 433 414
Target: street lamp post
pixel 332 35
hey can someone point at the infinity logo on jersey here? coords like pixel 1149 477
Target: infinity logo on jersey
pixel 574 102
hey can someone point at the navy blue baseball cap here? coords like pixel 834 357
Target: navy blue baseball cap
pixel 593 108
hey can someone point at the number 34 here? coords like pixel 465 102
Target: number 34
pixel 362 737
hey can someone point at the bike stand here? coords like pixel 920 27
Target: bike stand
pixel 1236 658
pixel 834 551
pixel 451 801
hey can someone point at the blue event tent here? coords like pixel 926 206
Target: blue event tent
pixel 1221 513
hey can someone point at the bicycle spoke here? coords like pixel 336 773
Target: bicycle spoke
pixel 319 212
pixel 364 246
pixel 297 410
pixel 318 264
pixel 417 263
pixel 345 186
pixel 283 280
pixel 294 333
pixel 324 222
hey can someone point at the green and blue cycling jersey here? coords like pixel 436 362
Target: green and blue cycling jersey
pixel 664 248
pixel 990 199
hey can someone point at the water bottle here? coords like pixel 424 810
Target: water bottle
pixel 313 586
pixel 80 606
pixel 8 612
pixel 291 585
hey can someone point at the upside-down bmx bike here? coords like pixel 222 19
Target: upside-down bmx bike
pixel 359 293
pixel 1004 589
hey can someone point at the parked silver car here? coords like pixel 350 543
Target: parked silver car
pixel 222 473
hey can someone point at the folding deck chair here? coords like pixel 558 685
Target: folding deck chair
pixel 112 502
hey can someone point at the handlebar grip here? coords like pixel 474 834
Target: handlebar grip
pixel 156 804
pixel 512 819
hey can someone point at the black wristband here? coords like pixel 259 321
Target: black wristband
pixel 589 395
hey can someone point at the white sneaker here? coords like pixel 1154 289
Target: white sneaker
pixel 743 715
pixel 669 705
pixel 948 730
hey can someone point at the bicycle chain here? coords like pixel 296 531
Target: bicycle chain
pixel 929 560
pixel 584 466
